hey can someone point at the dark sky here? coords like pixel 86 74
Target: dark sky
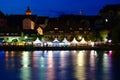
pixel 54 7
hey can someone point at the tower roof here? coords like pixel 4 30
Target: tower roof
pixel 28 11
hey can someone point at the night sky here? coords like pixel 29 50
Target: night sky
pixel 54 8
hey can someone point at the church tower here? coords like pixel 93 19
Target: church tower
pixel 28 11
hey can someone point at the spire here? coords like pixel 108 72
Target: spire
pixel 28 11
pixel 81 12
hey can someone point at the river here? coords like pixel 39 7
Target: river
pixel 60 65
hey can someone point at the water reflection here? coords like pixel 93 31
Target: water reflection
pixel 92 58
pixel 79 68
pixel 59 65
pixel 50 68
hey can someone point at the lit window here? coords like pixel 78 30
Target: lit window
pixel 7 33
pixel 56 28
pixel 80 28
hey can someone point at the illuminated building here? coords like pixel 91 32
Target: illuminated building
pixel 31 25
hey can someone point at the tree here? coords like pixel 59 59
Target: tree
pixel 115 35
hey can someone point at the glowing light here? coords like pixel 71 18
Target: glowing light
pixel 79 37
pixel 106 20
pixel 80 69
pixel 80 59
pixel 105 40
pixel 110 53
pixel 12 53
pixel 32 25
pixel 40 31
pixel 74 42
pixel 25 59
pixel 25 37
pixel 56 28
pixel 6 53
pixel 110 41
pixel 92 44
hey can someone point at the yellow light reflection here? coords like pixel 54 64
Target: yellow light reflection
pixel 12 53
pixel 6 53
pixel 80 68
pixel 74 56
pixel 9 59
pixel 25 58
pixel 80 58
pixel 6 59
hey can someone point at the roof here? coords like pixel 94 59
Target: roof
pixel 71 22
pixel 1 14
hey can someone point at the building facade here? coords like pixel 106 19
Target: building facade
pixel 33 26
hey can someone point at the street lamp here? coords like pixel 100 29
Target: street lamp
pixel 106 20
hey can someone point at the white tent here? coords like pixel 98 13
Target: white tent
pixel 56 42
pixel 83 42
pixel 49 44
pixel 74 42
pixel 65 42
pixel 37 42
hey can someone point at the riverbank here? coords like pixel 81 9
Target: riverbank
pixel 32 48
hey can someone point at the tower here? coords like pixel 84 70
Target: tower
pixel 80 12
pixel 28 11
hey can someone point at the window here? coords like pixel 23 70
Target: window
pixel 56 28
pixel 80 28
